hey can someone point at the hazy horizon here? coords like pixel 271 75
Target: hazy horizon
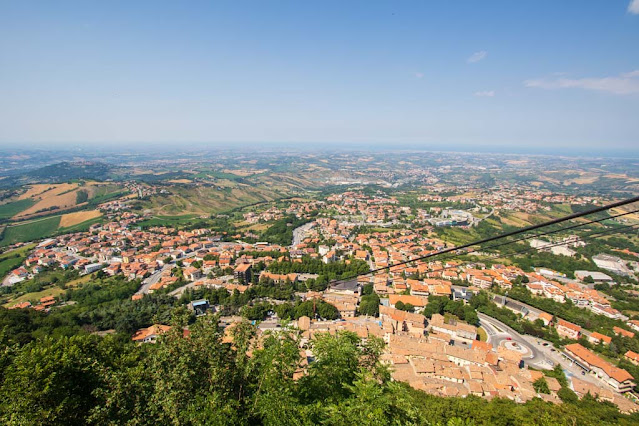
pixel 268 146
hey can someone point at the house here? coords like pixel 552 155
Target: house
pixel 192 274
pixel 278 278
pixel 416 301
pixel 243 273
pixel 402 321
pixel 199 306
pixel 150 334
pixel 596 338
pixel 456 329
pixel 22 305
pixel 329 257
pixel 621 332
pixel 545 317
pixel 47 301
pixel 632 357
pixel 92 268
pixel 361 254
pixel 597 277
pixel 618 378
pixel 18 275
pixel 568 330
pixel 535 288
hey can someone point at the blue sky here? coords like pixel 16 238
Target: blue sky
pixel 512 74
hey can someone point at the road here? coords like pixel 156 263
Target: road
pixel 155 277
pixel 300 232
pixel 499 333
pixel 543 355
pixel 149 281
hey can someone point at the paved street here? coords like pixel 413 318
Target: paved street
pixel 499 334
pixel 148 282
pixel 300 232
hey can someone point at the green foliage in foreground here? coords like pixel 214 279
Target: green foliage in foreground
pixel 86 379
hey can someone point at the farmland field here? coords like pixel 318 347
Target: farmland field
pixel 46 199
pixel 168 220
pixel 79 227
pixel 71 219
pixel 30 231
pixel 11 209
pixel 224 196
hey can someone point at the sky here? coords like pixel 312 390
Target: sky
pixel 514 75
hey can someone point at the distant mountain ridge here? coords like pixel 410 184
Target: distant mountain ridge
pixel 68 170
pixel 62 172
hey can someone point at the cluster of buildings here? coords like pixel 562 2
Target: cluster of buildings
pixel 440 356
pixel 579 294
pixel 43 305
pixel 561 247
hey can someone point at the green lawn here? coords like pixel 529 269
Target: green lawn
pixel 482 334
pixel 11 209
pixel 36 296
pixel 30 231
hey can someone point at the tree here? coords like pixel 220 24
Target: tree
pixel 335 367
pixel 369 305
pixel 51 381
pixel 541 386
pixel 275 397
pixel 372 404
pixel 404 306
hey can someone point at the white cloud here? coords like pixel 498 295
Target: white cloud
pixel 624 84
pixel 485 93
pixel 419 75
pixel 633 7
pixel 477 56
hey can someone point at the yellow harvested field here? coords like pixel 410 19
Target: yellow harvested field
pixel 33 191
pixel 46 190
pixel 582 180
pixel 241 173
pixel 622 176
pixel 48 200
pixel 547 179
pixel 180 181
pixel 53 197
pixel 71 219
pixel 625 209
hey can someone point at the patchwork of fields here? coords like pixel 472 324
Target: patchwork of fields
pixel 45 199
pixel 41 228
